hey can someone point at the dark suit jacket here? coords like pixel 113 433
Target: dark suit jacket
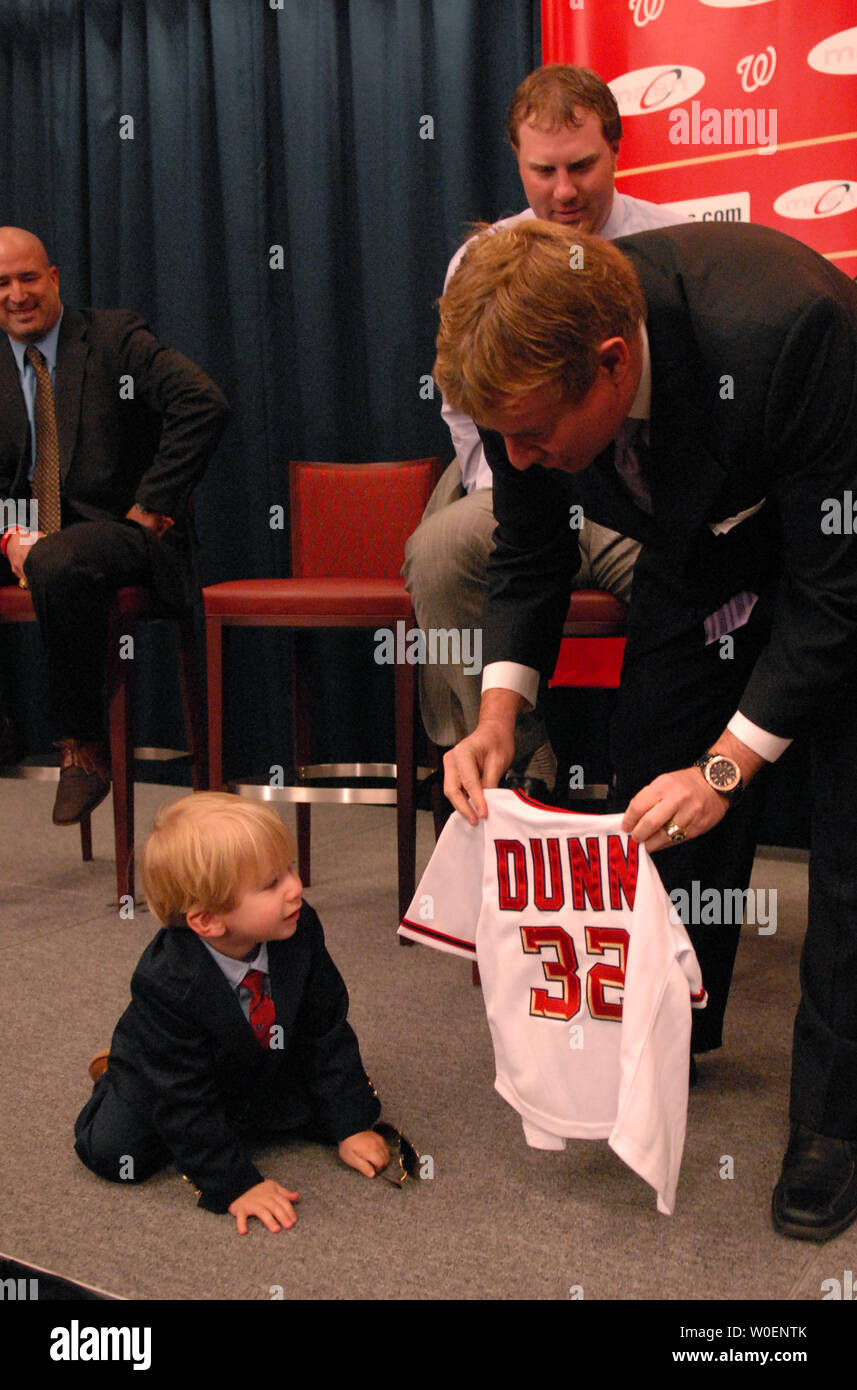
pixel 185 1059
pixel 117 448
pixel 753 342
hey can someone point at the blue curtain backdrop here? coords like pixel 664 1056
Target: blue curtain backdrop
pixel 161 149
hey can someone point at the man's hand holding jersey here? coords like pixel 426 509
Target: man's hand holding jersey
pixel 681 798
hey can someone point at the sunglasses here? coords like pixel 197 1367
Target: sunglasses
pixel 405 1161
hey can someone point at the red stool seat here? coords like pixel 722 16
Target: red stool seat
pixel 321 601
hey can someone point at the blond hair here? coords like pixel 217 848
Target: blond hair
pixel 553 95
pixel 530 305
pixel 206 849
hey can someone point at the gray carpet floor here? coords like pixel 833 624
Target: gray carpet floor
pixel 496 1221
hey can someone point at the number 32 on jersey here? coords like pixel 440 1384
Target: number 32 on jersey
pixel 563 970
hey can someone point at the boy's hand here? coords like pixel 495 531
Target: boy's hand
pixel 365 1151
pixel 270 1202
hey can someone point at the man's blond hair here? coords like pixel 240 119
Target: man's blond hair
pixel 530 305
pixel 207 849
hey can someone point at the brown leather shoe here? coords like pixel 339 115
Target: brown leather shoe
pixel 98 1065
pixel 84 780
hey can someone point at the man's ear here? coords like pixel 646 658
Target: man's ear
pixel 614 355
pixel 206 924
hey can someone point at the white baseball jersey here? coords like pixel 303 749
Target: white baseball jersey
pixel 587 979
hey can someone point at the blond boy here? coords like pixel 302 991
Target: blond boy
pixel 237 1025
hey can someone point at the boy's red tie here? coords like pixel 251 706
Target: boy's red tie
pixel 262 1015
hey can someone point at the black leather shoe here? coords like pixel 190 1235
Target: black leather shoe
pixel 84 781
pixel 816 1196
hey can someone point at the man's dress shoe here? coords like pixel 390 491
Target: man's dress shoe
pixel 84 780
pixel 816 1196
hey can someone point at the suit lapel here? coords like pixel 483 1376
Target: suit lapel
pixel 683 469
pixel 606 499
pixel 288 964
pixel 223 1011
pixel 15 422
pixel 72 352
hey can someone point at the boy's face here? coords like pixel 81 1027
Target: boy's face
pixel 267 911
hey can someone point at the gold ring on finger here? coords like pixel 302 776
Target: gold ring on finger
pixel 676 834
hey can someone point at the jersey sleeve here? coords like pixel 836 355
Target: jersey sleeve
pixel 446 906
pixel 661 980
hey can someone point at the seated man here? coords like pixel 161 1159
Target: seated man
pixel 564 126
pixel 104 434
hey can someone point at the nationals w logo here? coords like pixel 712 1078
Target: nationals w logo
pixel 757 69
pixel 645 11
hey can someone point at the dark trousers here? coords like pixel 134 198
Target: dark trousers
pixel 677 696
pixel 117 1142
pixel 824 1059
pixel 73 576
pixel 114 1141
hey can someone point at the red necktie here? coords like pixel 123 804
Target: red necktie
pixel 262 1015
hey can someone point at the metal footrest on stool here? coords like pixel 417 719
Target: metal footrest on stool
pixel 320 782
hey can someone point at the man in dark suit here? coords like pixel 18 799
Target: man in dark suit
pixel 735 350
pixel 107 432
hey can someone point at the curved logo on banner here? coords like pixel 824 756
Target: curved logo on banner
pixel 836 55
pixel 651 89
pixel 757 69
pixel 827 198
pixel 645 11
pixel 732 4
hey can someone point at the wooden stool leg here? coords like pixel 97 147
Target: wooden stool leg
pixel 192 701
pixel 121 719
pixel 303 825
pixel 214 674
pixel 301 726
pixel 440 807
pixel 406 818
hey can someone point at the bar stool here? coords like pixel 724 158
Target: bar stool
pixel 349 524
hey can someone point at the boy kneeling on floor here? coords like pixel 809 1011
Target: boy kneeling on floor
pixel 237 1028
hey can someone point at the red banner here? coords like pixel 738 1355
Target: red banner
pixel 732 110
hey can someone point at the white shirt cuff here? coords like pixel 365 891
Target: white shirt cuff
pixel 768 746
pixel 508 675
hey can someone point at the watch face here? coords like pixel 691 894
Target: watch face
pixel 722 774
